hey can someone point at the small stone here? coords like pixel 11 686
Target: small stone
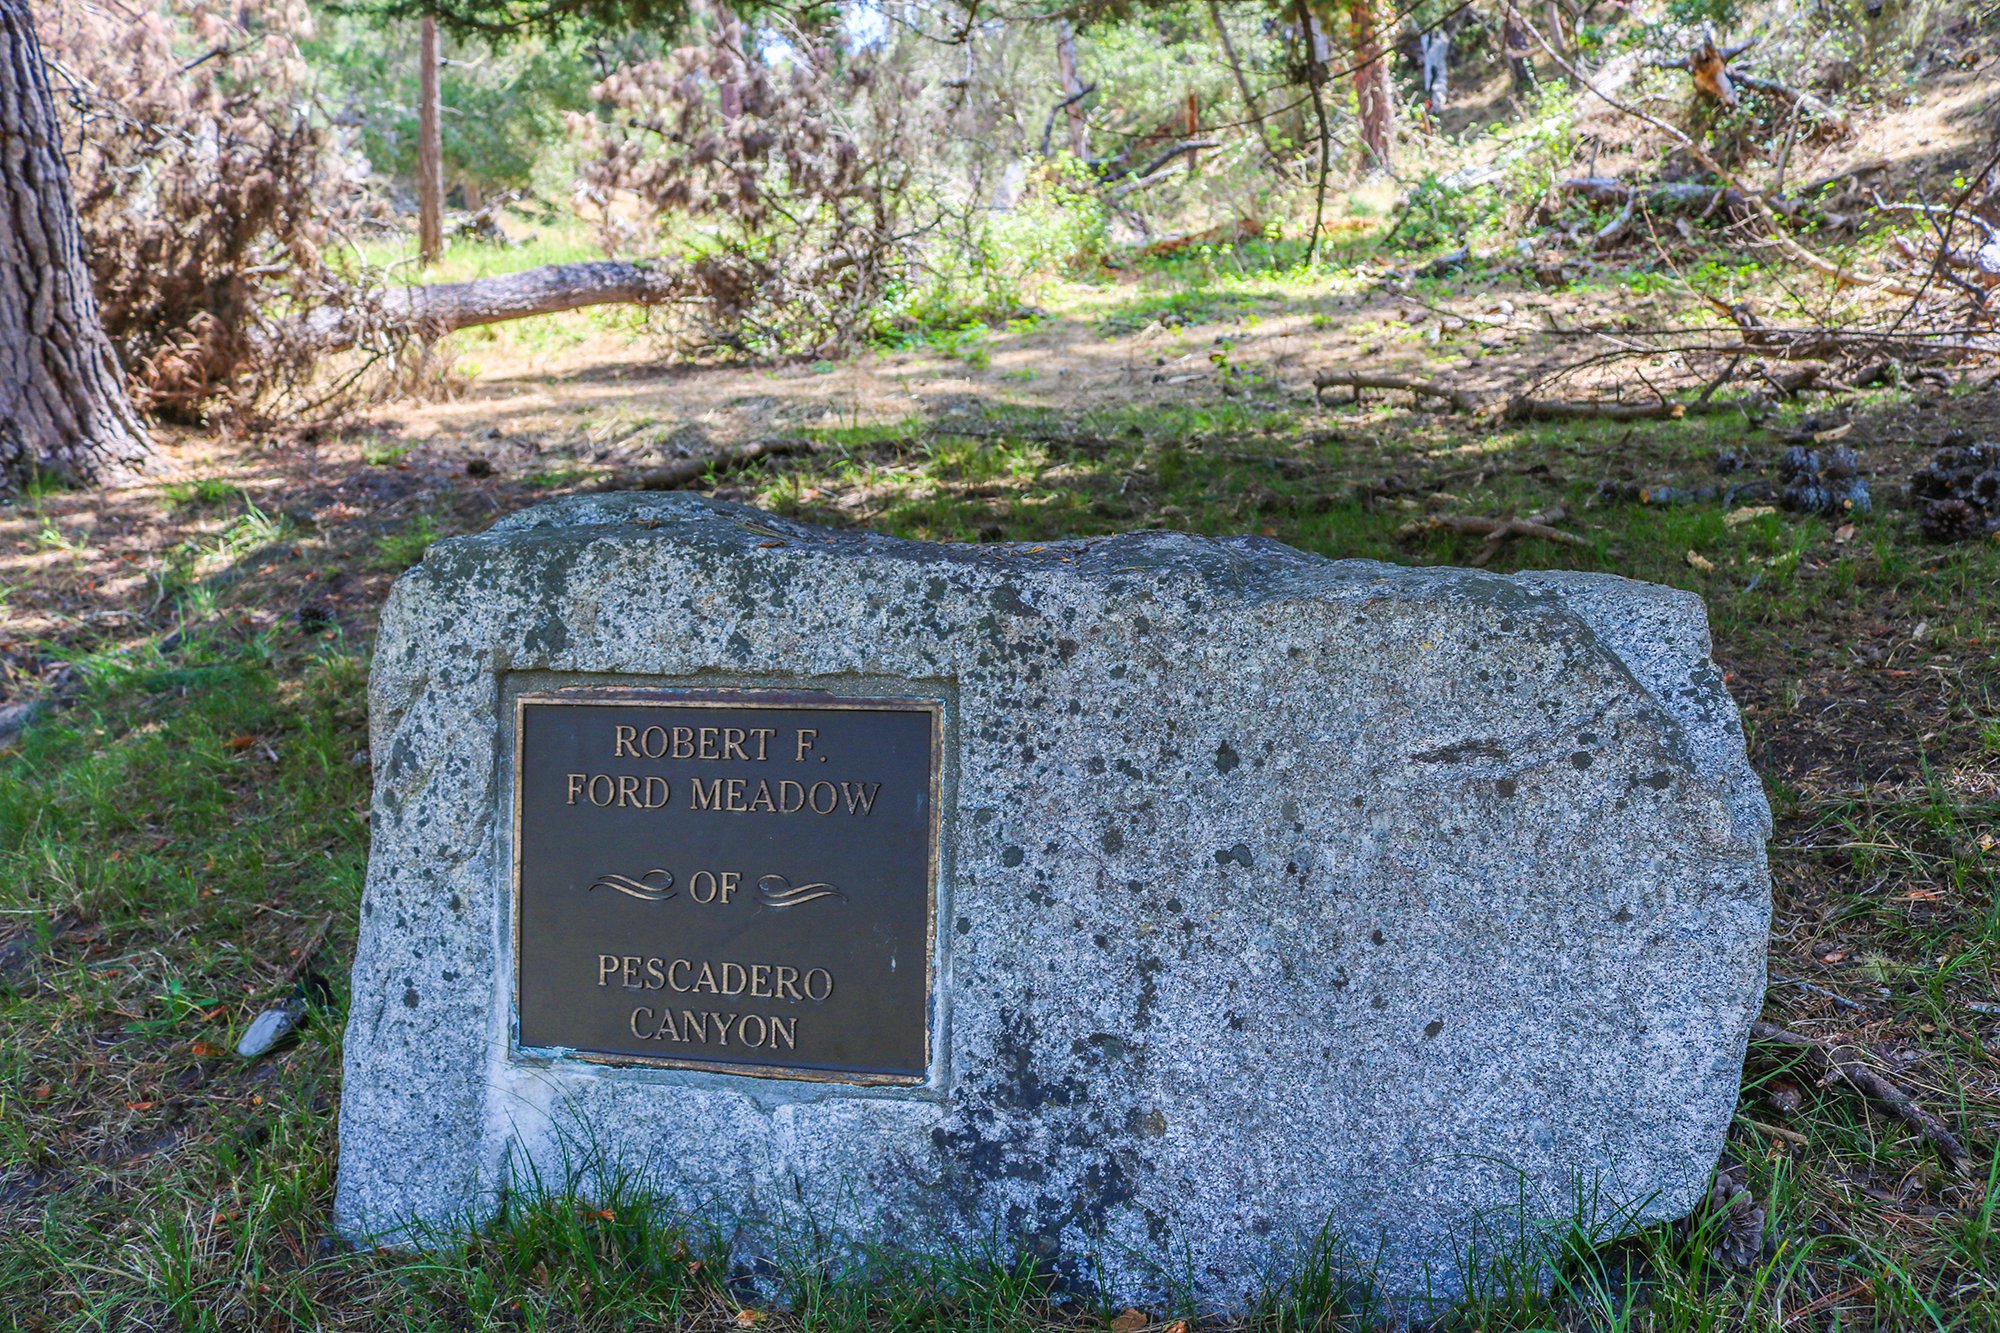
pixel 271 1027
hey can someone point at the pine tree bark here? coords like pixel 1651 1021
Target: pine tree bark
pixel 1072 85
pixel 430 146
pixel 64 411
pixel 1374 100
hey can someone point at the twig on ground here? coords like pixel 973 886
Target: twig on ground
pixel 1727 372
pixel 1497 531
pixel 1821 991
pixel 1777 1132
pixel 1845 1063
pixel 685 471
pixel 309 951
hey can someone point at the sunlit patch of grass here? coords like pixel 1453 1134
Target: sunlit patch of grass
pixel 384 452
pixel 540 243
pixel 404 547
pixel 200 492
pixel 555 478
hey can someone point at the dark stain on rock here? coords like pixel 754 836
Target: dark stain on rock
pixel 1459 753
pixel 1225 758
pixel 1108 1045
pixel 410 997
pixel 1581 759
pixel 1149 992
pixel 1012 856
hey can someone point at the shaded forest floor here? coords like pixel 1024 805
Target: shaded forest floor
pixel 180 826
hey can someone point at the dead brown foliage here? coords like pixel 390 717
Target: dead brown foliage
pixel 799 170
pixel 200 184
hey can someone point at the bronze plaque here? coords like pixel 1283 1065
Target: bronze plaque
pixel 736 880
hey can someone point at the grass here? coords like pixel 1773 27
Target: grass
pixel 173 835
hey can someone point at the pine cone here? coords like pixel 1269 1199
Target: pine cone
pixel 1739 1241
pixel 1949 521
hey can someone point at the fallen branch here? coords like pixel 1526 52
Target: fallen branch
pixel 684 471
pixel 1708 63
pixel 1806 102
pixel 1844 1062
pixel 1841 276
pixel 1151 174
pixel 1613 231
pixel 1049 129
pixel 1841 177
pixel 1497 531
pixel 1341 379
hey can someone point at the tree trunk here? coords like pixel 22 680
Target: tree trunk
pixel 438 309
pixel 430 147
pixel 1079 144
pixel 63 406
pixel 1315 81
pixel 1374 103
pixel 1518 47
pixel 1242 84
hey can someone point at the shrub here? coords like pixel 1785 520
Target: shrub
pixel 199 182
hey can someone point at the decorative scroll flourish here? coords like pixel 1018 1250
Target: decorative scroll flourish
pixel 644 887
pixel 777 891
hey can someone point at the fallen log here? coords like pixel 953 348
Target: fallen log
pixel 1668 195
pixel 1342 379
pixel 685 471
pixel 441 308
pixel 1561 409
pixel 1983 263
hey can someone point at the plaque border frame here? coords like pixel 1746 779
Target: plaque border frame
pixel 731 696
